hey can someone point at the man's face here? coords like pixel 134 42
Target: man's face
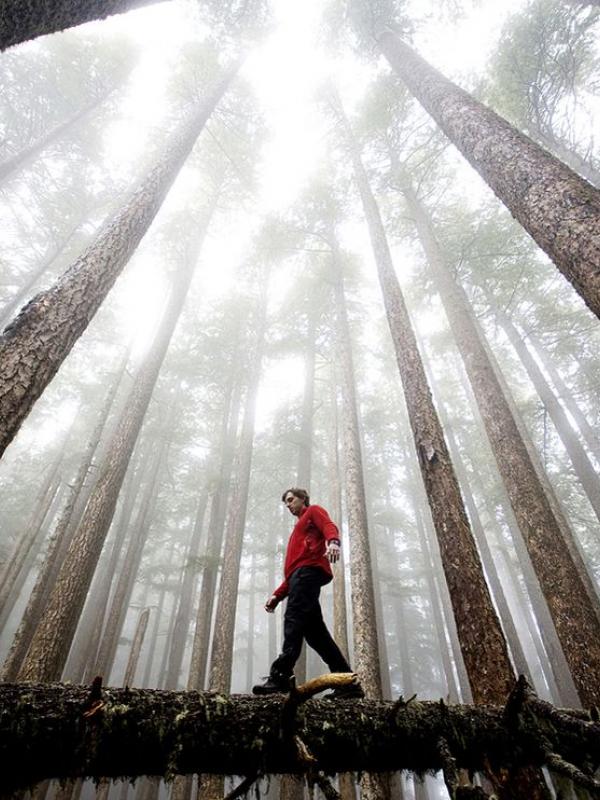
pixel 294 504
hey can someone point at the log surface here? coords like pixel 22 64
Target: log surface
pixel 64 731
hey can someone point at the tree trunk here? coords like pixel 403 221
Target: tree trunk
pixel 222 645
pixel 216 522
pixel 366 648
pixel 20 560
pixel 34 345
pixel 133 732
pixel 340 611
pixel 21 21
pixel 59 543
pixel 29 154
pixel 89 630
pixel 136 646
pixel 52 640
pixel 488 665
pixel 589 433
pixel 131 562
pixel 582 466
pixel 545 533
pixel 15 302
pixel 184 607
pixel 557 207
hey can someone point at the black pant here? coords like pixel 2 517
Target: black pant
pixel 304 620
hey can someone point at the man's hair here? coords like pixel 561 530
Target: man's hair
pixel 301 493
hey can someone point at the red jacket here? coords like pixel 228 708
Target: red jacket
pixel 306 545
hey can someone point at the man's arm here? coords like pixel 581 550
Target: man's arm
pixel 280 593
pixel 330 532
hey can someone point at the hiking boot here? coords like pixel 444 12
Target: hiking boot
pixel 273 684
pixel 352 691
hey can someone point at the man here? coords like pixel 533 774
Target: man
pixel 313 545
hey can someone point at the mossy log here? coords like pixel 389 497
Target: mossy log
pixel 64 731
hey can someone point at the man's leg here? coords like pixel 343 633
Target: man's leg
pixel 302 600
pixel 318 637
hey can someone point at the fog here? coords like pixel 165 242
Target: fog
pixel 244 250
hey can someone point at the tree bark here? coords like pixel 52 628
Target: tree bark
pixel 67 732
pixel 52 640
pixel 216 522
pixel 582 466
pixel 558 208
pixel 119 604
pixel 136 646
pixel 59 543
pixel 27 548
pixel 545 534
pixel 15 302
pixel 481 638
pixel 184 607
pixel 366 647
pixel 35 344
pixel 23 20
pixel 222 645
pixel 588 432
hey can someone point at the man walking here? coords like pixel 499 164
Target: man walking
pixel 313 545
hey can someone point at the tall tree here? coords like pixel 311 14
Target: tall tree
pixel 557 207
pixel 491 680
pixel 53 637
pixel 544 530
pixel 59 541
pixel 33 347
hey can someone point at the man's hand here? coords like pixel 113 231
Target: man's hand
pixel 332 552
pixel 271 604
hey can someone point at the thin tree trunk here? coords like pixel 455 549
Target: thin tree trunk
pixel 52 640
pixel 89 630
pixel 18 563
pixel 58 544
pixel 21 21
pixel 29 154
pixel 582 466
pixel 588 432
pixel 364 614
pixel 34 345
pixel 222 646
pixel 133 556
pixel 184 607
pixel 15 302
pixel 136 646
pixel 545 533
pixel 340 611
pixel 557 207
pixel 366 648
pixel 199 660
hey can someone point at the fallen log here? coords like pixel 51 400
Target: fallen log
pixel 63 731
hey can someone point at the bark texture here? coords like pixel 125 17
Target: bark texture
pixel 481 639
pixel 69 731
pixel 366 648
pixel 544 531
pixel 35 344
pixel 21 20
pixel 222 646
pixel 59 543
pixel 557 207
pixel 52 640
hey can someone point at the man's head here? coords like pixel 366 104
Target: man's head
pixel 295 500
